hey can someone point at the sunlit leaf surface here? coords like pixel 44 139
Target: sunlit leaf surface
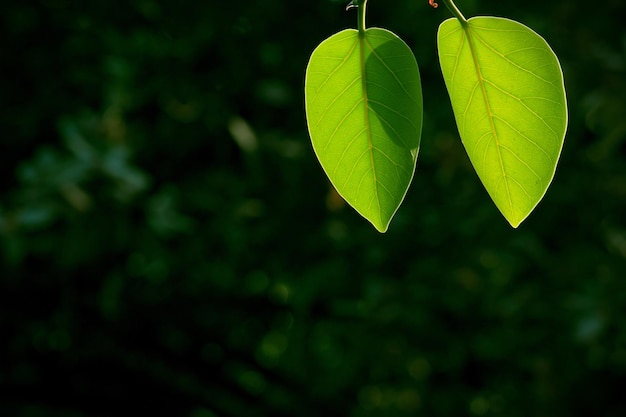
pixel 364 113
pixel 508 96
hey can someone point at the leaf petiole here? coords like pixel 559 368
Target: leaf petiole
pixel 456 12
pixel 362 4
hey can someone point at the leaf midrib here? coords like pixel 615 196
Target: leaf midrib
pixel 368 130
pixel 481 83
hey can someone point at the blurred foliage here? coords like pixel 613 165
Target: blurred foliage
pixel 169 244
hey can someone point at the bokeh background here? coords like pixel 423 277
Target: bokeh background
pixel 170 246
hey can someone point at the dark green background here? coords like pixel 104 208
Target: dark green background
pixel 170 245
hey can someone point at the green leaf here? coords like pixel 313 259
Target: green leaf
pixel 364 112
pixel 507 92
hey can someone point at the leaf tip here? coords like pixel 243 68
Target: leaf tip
pixel 381 229
pixel 516 221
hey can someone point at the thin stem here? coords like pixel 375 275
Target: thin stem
pixel 455 11
pixel 362 4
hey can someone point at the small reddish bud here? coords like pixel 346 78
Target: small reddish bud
pixel 432 3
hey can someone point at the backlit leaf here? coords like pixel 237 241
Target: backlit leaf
pixel 364 113
pixel 506 88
